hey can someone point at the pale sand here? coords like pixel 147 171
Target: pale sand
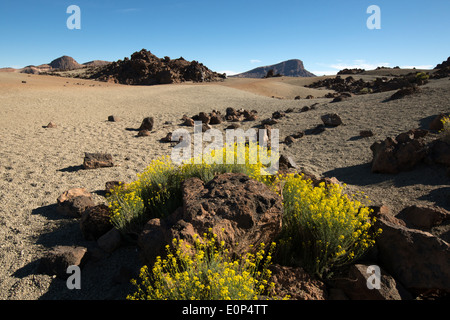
pixel 38 164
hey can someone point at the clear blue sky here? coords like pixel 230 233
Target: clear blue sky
pixel 232 35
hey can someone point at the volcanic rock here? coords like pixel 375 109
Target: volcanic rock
pixel 97 160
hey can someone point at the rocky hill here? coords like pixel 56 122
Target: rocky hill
pixel 65 63
pixel 290 68
pixel 444 64
pixel 144 68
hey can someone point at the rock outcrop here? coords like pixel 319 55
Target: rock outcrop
pixel 144 68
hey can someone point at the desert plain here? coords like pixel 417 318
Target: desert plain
pixel 38 164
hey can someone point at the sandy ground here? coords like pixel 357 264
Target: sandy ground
pixel 38 164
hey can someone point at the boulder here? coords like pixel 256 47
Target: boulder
pixel 110 241
pixel 436 124
pixel 392 156
pixel 241 211
pixel 331 119
pixel 73 202
pixel 354 283
pixel 147 124
pixel 95 222
pixel 296 283
pixel 440 152
pixel 97 160
pixel 421 217
pixel 419 260
pixel 59 258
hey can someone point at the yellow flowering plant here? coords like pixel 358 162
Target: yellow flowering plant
pixel 446 128
pixel 157 191
pixel 322 226
pixel 205 271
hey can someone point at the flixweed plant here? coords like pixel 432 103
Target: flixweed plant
pixel 446 128
pixel 157 191
pixel 205 271
pixel 323 227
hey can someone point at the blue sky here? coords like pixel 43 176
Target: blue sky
pixel 230 36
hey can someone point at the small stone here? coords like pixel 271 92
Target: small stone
pixel 147 124
pixel 113 118
pixel 97 160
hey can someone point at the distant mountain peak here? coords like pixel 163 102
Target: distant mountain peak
pixel 289 68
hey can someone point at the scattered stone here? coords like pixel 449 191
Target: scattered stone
pixel 331 119
pixel 73 202
pixel 278 115
pixel 167 138
pixel 95 222
pixel 289 140
pixel 289 110
pixel 113 118
pixel 404 92
pixel 216 118
pixel 51 125
pixel 296 283
pixel 366 133
pixel 342 97
pixel 297 98
pixel 309 97
pixel 298 135
pixel 97 160
pixel 205 127
pixel 203 117
pixel 189 122
pixel 269 121
pixel 249 116
pixel 59 258
pixel 147 124
pixel 305 109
